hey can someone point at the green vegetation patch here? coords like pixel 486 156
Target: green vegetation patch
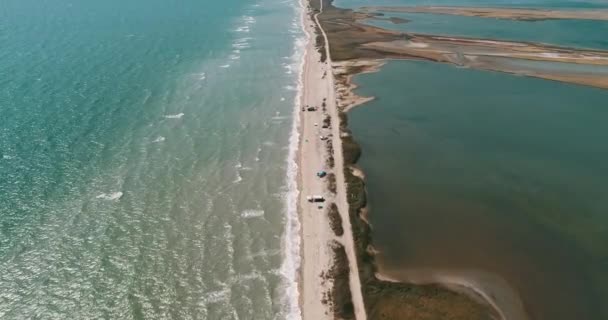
pixel 388 300
pixel 352 150
pixel 331 182
pixel 340 294
pixel 330 154
pixel 335 220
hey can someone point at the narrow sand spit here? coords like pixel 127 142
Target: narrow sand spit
pixel 521 14
pixel 317 255
pixel 484 287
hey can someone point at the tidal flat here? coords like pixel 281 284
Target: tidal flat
pixel 519 14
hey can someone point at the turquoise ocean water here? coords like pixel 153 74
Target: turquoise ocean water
pixel 143 159
pixel 482 173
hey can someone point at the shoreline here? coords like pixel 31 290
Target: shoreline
pixel 328 274
pixel 345 71
pixel 292 237
pixel 505 13
pixel 308 308
pixel 483 287
pixel 315 240
pixel 462 285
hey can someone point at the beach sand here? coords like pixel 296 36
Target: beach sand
pixel 317 235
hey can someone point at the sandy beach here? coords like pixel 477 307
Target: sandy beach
pixel 317 235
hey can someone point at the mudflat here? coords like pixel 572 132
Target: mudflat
pixel 521 14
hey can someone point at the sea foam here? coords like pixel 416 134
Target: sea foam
pixel 174 116
pixel 110 196
pixel 252 213
pixel 238 178
pixel 291 236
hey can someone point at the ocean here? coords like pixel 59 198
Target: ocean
pixel 491 177
pixel 146 159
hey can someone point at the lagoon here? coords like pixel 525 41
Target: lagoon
pixel 477 172
pixel 567 33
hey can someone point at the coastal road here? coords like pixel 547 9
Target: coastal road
pixel 317 235
pixel 317 254
pixel 347 239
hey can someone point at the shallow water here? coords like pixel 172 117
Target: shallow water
pixel 472 172
pixel 566 33
pixel 556 67
pixel 135 140
pixel 582 4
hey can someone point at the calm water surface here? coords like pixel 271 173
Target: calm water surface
pixel 583 4
pixel 491 173
pixel 567 33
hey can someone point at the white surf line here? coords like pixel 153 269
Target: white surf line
pixel 316 234
pixel 289 269
pixel 341 202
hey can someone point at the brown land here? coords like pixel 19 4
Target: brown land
pixel 351 39
pixel 344 71
pixel 394 20
pixel 397 20
pixel 500 13
pixel 329 276
pixel 490 55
